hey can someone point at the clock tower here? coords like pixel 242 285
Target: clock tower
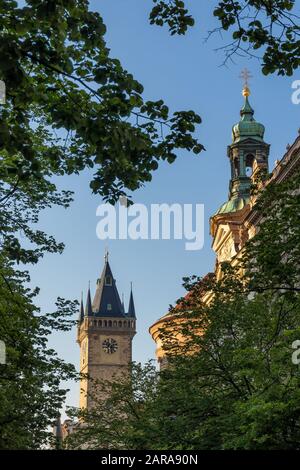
pixel 104 334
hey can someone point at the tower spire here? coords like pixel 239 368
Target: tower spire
pixel 131 308
pixel 106 255
pixel 123 307
pixel 107 301
pixel 88 306
pixel 81 310
pixel 248 154
pixel 246 111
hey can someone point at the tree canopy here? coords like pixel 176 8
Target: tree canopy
pixel 30 380
pixel 60 78
pixel 268 27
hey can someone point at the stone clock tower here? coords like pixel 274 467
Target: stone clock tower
pixel 104 334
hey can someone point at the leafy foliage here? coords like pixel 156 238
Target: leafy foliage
pixel 174 14
pixel 89 111
pixel 272 26
pixel 123 408
pixel 30 391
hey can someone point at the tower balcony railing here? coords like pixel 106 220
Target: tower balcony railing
pixel 127 323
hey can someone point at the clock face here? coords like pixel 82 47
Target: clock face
pixel 109 345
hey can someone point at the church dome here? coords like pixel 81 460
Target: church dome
pixel 233 205
pixel 247 127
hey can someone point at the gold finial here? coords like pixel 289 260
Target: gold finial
pixel 246 91
pixel 245 75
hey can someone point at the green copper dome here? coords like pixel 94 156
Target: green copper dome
pixel 239 195
pixel 247 127
pixel 233 205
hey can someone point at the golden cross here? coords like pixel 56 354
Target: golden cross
pixel 245 75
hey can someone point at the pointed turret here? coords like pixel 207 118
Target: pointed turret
pixel 131 308
pixel 123 306
pixel 88 307
pixel 107 300
pixel 81 312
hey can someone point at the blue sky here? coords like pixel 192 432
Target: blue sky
pixel 186 72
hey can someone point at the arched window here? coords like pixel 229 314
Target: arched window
pixel 249 165
pixel 108 280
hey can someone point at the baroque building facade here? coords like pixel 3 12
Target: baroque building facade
pixel 237 220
